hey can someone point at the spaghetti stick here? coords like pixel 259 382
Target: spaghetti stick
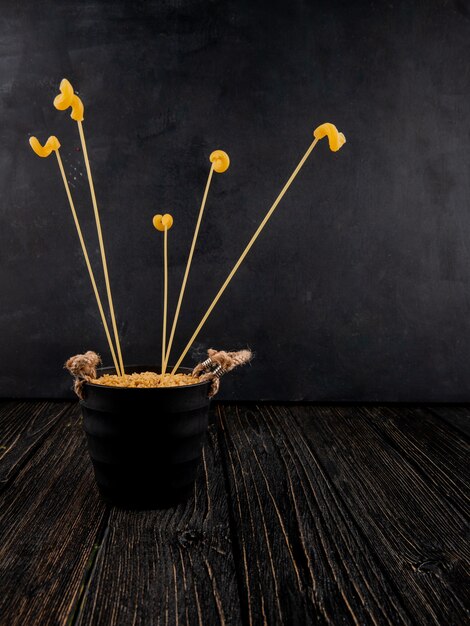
pixel 220 163
pixel 244 253
pixel 165 294
pixel 186 272
pixel 163 223
pixel 68 99
pixel 101 242
pixel 88 264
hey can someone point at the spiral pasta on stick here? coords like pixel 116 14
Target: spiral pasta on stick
pixel 336 140
pixel 68 99
pixel 53 145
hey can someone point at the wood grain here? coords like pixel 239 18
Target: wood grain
pixel 168 567
pixel 304 560
pixel 23 426
pixel 406 497
pixel 50 515
pixel 456 416
pixel 300 515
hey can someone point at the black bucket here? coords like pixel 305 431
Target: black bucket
pixel 145 444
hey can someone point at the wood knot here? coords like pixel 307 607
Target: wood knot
pixel 189 537
pixel 434 566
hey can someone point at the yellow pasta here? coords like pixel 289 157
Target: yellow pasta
pixel 146 379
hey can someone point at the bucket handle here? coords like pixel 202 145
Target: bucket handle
pixel 219 363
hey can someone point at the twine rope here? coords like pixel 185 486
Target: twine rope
pixel 83 369
pixel 218 363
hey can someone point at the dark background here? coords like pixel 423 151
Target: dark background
pixel 358 289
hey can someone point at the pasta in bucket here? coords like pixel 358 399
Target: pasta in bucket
pixel 145 425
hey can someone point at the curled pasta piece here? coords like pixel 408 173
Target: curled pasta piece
pixel 335 138
pixel 67 99
pixel 44 151
pixel 221 161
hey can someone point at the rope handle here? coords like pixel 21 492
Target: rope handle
pixel 83 369
pixel 219 363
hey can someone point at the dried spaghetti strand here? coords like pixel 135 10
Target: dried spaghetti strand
pixel 101 243
pixel 163 223
pixel 88 264
pixel 244 253
pixel 188 267
pixel 165 295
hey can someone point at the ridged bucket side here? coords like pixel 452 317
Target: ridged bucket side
pixel 145 444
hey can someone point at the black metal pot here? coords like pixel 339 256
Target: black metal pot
pixel 145 444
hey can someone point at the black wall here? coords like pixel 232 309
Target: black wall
pixel 359 289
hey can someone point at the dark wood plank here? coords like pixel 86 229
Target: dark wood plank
pixel 303 558
pixel 456 416
pixel 301 515
pixel 23 426
pixel 439 454
pixel 50 516
pixel 168 567
pixel 398 472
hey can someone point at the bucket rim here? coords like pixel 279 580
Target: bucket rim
pixel 145 368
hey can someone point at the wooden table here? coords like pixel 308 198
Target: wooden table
pixel 301 515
